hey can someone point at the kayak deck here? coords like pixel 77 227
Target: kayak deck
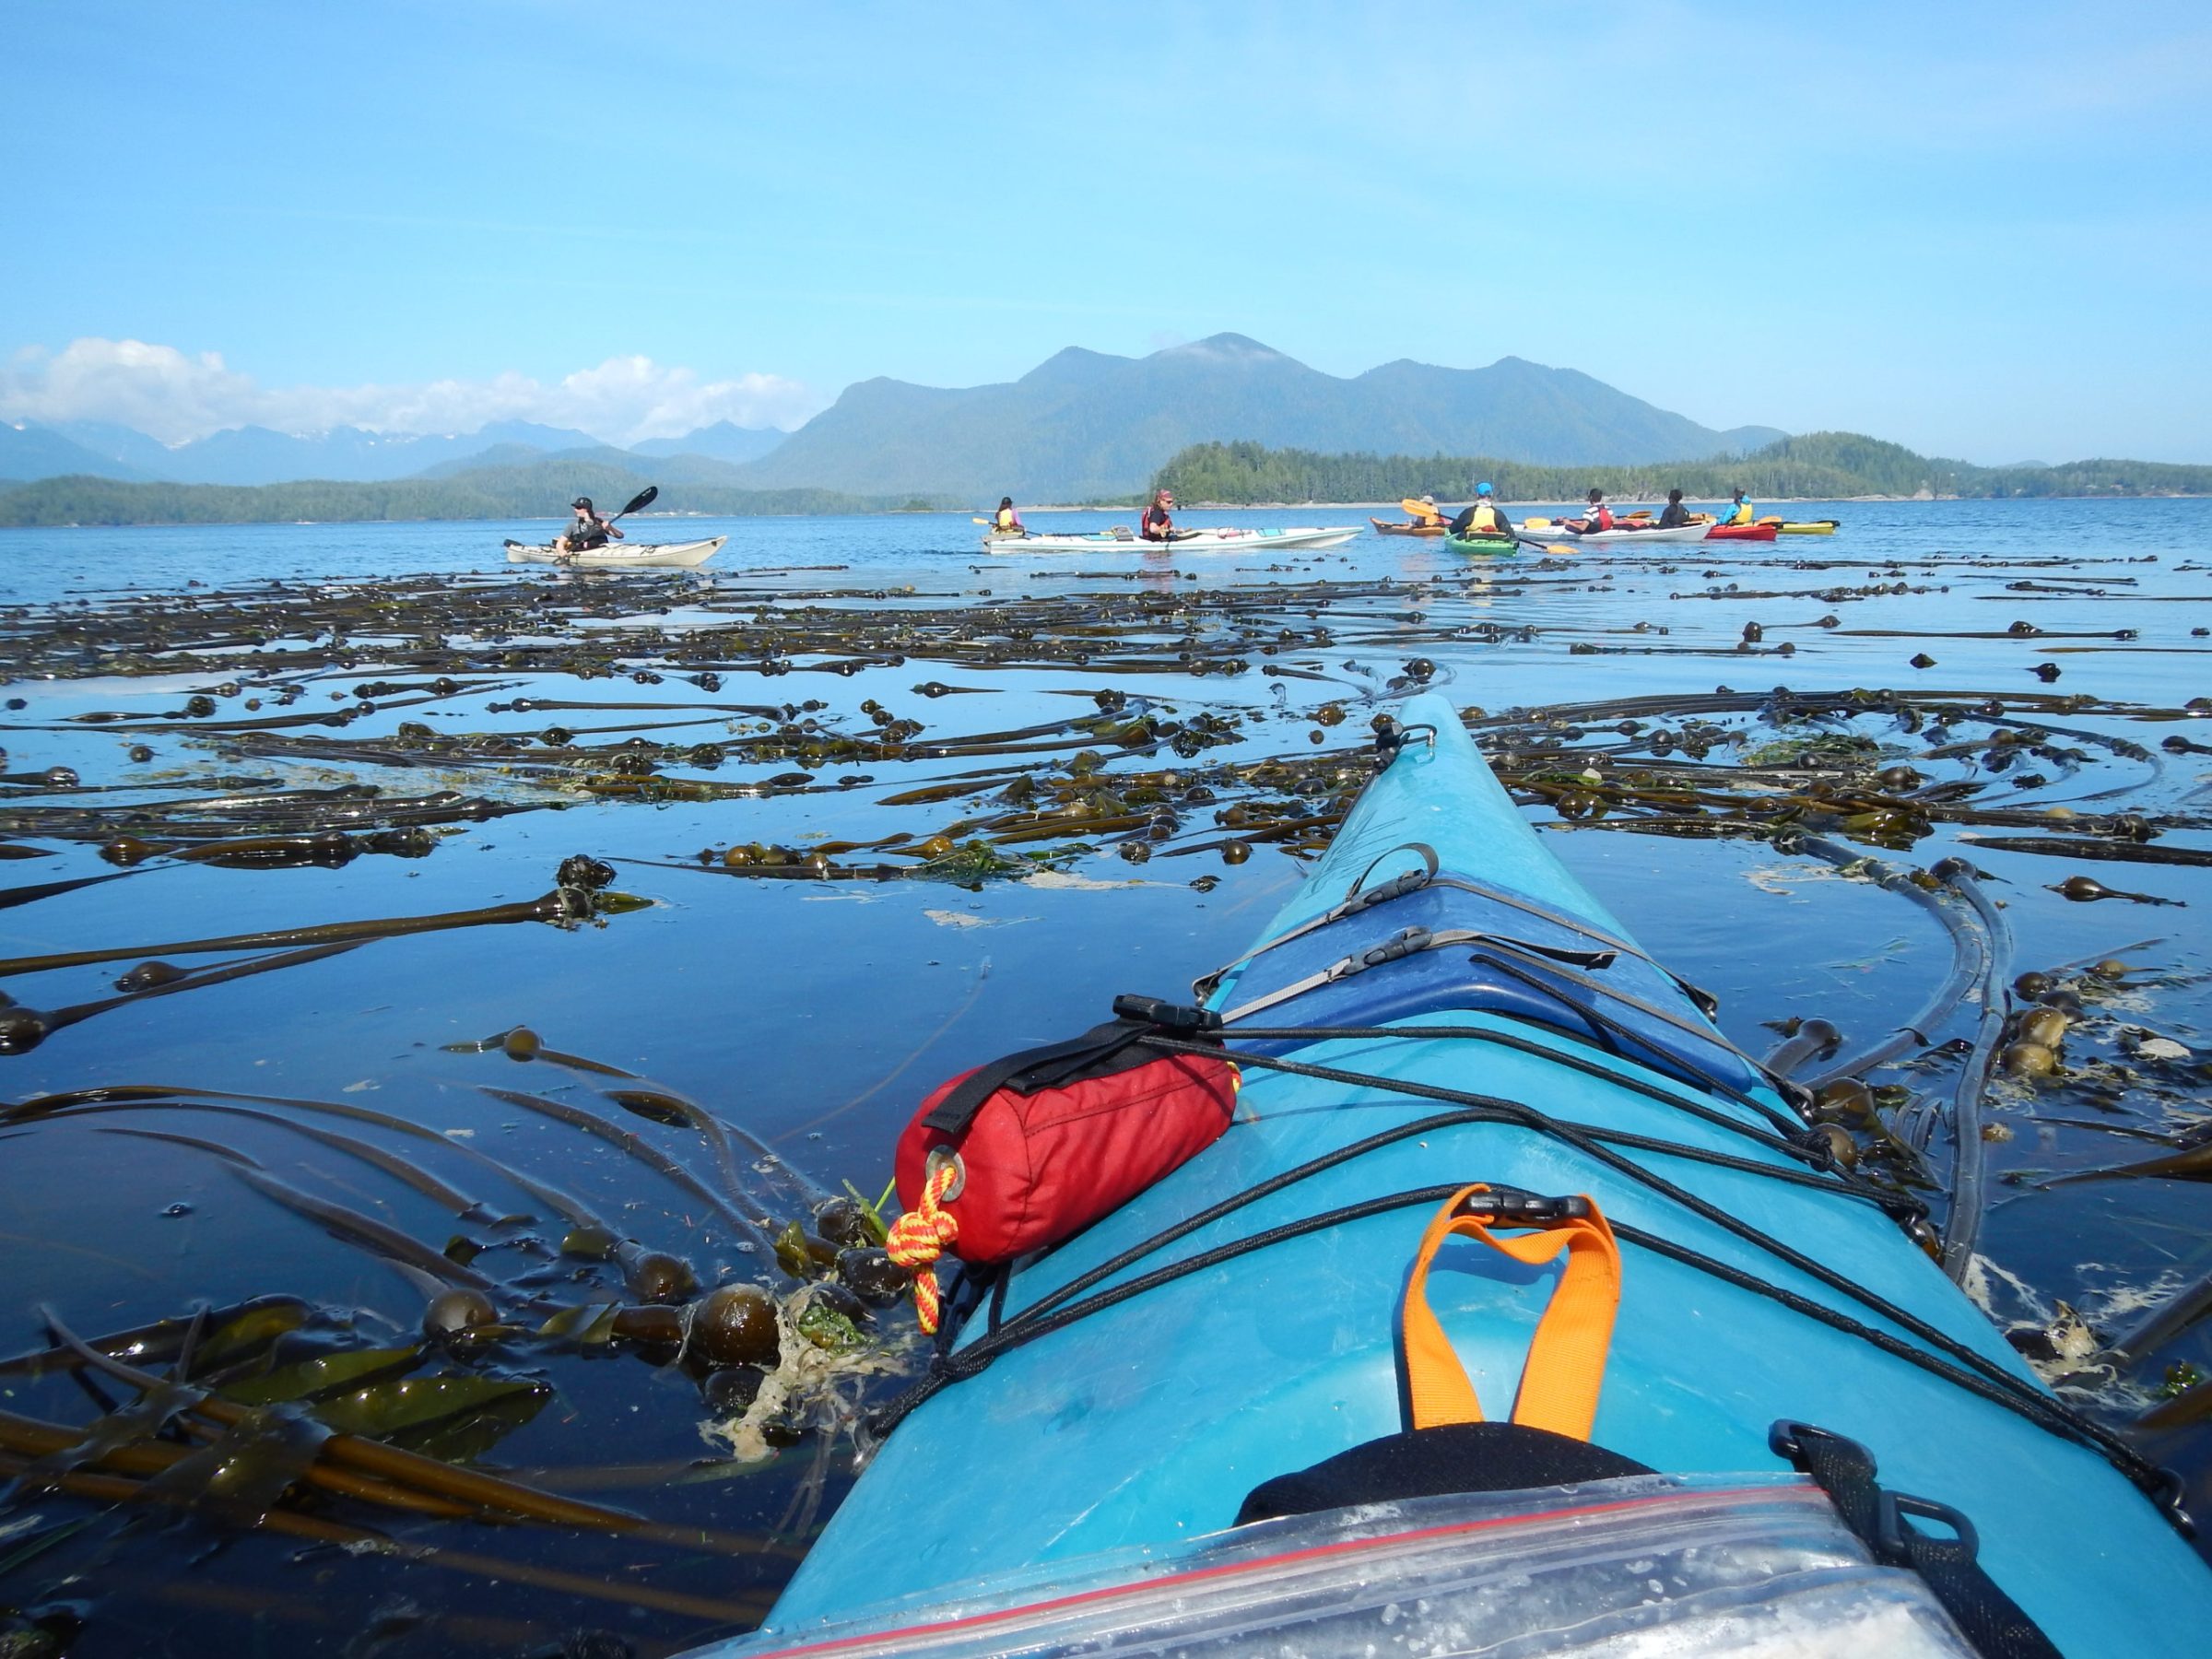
pixel 1237 1317
pixel 1554 531
pixel 1199 541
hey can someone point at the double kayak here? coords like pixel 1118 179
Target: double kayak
pixel 1384 528
pixel 1483 547
pixel 1121 539
pixel 1622 531
pixel 1753 1415
pixel 621 556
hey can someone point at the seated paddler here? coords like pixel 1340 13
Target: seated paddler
pixel 1596 515
pixel 588 531
pixel 1483 517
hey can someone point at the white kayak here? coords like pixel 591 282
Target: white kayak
pixel 621 556
pixel 1121 539
pixel 1552 530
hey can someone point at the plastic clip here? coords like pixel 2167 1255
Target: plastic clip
pixel 1895 1540
pixel 1397 887
pixel 1390 737
pixel 1411 942
pixel 1505 1206
pixel 1786 1439
pixel 1167 1015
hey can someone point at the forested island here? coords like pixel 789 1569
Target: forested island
pixel 1823 467
pixel 541 491
pixel 1819 466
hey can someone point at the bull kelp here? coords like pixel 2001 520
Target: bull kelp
pixel 456 1023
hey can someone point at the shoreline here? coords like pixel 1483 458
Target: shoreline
pixel 1640 501
pixel 1369 508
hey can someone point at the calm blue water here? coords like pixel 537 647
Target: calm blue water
pixel 45 564
pixel 816 1014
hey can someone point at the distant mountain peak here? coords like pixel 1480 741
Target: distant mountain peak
pixel 1230 345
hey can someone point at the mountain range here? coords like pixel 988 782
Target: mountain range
pixel 253 455
pixel 1084 425
pixel 1080 426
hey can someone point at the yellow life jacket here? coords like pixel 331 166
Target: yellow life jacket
pixel 1487 518
pixel 1741 515
pixel 1006 518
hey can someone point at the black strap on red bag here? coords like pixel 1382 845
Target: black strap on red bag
pixel 1122 1043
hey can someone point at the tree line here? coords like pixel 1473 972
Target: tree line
pixel 1817 466
pixel 541 491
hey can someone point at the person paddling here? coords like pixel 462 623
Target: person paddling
pixel 1595 516
pixel 589 531
pixel 1158 522
pixel 1673 516
pixel 1430 517
pixel 1481 518
pixel 1005 521
pixel 1741 513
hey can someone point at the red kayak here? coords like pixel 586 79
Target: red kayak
pixel 1742 532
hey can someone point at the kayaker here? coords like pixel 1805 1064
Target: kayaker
pixel 1158 522
pixel 1595 516
pixel 1740 513
pixel 589 531
pixel 1481 518
pixel 1673 516
pixel 1005 521
pixel 1431 518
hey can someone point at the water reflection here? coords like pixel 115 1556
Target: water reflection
pixel 800 841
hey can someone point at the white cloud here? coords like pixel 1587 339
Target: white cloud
pixel 175 397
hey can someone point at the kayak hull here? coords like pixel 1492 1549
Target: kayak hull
pixel 1816 527
pixel 1750 532
pixel 622 556
pixel 1382 529
pixel 1201 541
pixel 1556 532
pixel 1140 1427
pixel 1484 547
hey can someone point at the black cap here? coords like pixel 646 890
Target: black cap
pixel 581 502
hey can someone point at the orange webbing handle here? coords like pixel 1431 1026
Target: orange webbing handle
pixel 1566 1357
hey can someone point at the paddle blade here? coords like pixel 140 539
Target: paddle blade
pixel 644 498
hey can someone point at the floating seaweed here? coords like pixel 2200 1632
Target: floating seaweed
pixel 532 1275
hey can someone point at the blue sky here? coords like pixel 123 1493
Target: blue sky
pixel 1982 230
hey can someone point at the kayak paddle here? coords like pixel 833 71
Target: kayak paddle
pixel 644 498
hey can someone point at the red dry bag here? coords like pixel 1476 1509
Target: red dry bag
pixel 1049 1139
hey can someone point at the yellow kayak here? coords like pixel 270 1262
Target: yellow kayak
pixel 1811 528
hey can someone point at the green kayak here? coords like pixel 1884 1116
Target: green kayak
pixel 1483 547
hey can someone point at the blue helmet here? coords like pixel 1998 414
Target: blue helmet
pixel 1482 490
